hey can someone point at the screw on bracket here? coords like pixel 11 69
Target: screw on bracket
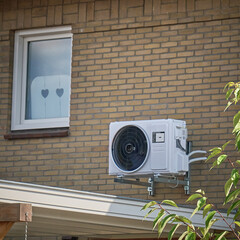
pixel 151 187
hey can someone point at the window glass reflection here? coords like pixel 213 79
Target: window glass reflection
pixel 48 79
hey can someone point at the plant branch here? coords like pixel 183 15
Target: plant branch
pixel 224 219
pixel 232 164
pixel 181 221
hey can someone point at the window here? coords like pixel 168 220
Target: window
pixel 42 78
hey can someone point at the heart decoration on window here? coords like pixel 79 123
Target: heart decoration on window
pixel 44 92
pixel 59 91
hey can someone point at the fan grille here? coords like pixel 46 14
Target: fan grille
pixel 129 148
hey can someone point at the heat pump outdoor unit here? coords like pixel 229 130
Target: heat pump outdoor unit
pixel 148 147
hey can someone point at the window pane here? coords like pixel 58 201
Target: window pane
pixel 48 79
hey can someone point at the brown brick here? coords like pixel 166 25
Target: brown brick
pixel 182 6
pixel 203 4
pixel 39 21
pixel 114 9
pixel 50 15
pixel 135 12
pixel 90 11
pixel 211 69
pixel 82 9
pixel 102 15
pixel 148 7
pixel 169 8
pixel 168 55
pixel 58 15
pixel 177 71
pixel 39 12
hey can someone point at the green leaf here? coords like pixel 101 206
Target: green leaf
pixel 200 203
pixel 234 173
pixel 152 210
pixel 205 234
pixel 234 205
pixel 200 191
pixel 206 209
pixel 236 119
pixel 214 152
pixel 228 85
pixel 236 128
pixel 225 144
pixel 183 235
pixel 236 94
pixel 228 105
pixel 237 135
pixel 170 202
pixel 237 144
pixel 221 158
pixel 238 223
pixel 164 222
pixel 210 224
pixel 213 165
pixel 201 230
pixel 232 196
pixel 159 217
pixel 228 186
pixel 209 218
pixel 215 149
pixel 182 219
pixel 236 214
pixel 194 212
pixel 191 236
pixel 238 162
pixel 235 176
pixel 221 235
pixel 229 93
pixel 193 197
pixel 237 140
pixel 172 231
pixel 150 204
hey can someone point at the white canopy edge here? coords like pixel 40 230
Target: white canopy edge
pixel 109 215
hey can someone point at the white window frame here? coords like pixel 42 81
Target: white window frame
pixel 22 38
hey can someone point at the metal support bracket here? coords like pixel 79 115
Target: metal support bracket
pixel 149 184
pixel 152 180
pixel 175 181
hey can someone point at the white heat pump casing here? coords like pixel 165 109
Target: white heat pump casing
pixel 165 152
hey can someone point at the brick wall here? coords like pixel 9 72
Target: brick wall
pixel 131 60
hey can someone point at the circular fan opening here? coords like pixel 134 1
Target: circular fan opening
pixel 130 148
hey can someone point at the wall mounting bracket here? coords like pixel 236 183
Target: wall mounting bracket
pixel 155 179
